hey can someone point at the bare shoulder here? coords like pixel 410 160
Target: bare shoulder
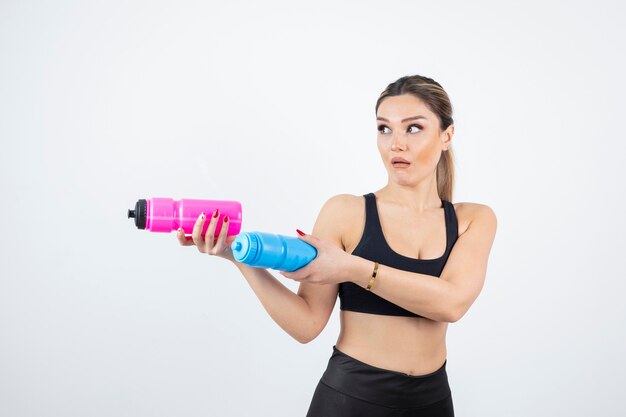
pixel 343 211
pixel 474 213
pixel 345 203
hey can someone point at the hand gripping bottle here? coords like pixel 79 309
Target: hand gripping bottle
pixel 166 214
pixel 266 250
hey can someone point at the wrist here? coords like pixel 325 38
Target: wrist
pixel 362 272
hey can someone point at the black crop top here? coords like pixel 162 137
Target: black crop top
pixel 374 247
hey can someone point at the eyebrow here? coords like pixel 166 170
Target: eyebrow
pixel 405 120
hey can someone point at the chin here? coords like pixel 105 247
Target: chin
pixel 403 179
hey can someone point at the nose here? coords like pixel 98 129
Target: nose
pixel 398 141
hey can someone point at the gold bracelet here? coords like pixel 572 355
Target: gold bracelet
pixel 369 285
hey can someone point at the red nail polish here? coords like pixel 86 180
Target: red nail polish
pixel 217 213
pixel 225 219
pixel 300 232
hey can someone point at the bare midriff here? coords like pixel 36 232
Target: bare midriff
pixel 411 345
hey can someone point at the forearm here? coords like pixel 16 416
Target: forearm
pixel 422 294
pixel 290 311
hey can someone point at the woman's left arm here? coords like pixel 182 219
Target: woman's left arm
pixel 448 297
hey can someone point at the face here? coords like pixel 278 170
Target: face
pixel 407 129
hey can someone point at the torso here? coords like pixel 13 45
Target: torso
pixel 412 345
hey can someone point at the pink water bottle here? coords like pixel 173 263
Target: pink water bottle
pixel 166 214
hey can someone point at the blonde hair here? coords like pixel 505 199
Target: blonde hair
pixel 437 101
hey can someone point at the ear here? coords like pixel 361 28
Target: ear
pixel 446 136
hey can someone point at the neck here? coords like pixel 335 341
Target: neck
pixel 418 197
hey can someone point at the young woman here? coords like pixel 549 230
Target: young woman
pixel 404 261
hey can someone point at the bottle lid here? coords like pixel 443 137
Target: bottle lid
pixel 245 247
pixel 139 214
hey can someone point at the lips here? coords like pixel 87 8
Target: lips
pixel 399 160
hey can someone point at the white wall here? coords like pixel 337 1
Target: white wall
pixel 272 104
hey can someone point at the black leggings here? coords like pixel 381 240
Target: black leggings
pixel 350 388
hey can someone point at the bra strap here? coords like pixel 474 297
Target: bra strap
pixel 452 226
pixel 372 221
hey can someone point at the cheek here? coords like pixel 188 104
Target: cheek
pixel 429 155
pixel 381 147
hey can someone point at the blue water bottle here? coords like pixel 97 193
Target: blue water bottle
pixel 267 250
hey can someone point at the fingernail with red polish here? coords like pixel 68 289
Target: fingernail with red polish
pixel 217 212
pixel 225 219
pixel 300 232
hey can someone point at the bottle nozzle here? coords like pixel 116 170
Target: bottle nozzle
pixel 139 214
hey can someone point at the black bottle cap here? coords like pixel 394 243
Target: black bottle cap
pixel 139 214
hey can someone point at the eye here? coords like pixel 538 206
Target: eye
pixel 417 126
pixel 381 128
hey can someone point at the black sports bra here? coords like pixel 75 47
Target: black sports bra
pixel 374 247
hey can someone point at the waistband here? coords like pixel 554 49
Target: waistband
pixel 382 386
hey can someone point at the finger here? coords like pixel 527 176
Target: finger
pixel 196 236
pixel 182 239
pixel 310 239
pixel 221 239
pixel 209 237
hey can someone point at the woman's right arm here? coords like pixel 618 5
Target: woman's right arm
pixel 290 311
pixel 304 315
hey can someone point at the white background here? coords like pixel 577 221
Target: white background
pixel 272 104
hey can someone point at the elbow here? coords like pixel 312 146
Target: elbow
pixel 305 338
pixel 445 317
pixel 310 328
pixel 453 318
pixel 310 332
pixel 454 314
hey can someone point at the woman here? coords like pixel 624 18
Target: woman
pixel 403 260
